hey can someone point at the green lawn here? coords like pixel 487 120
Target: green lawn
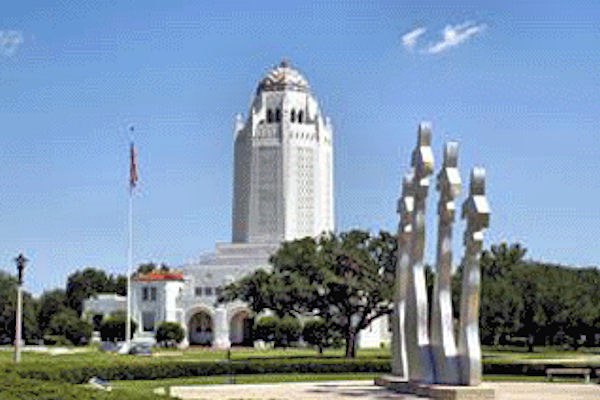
pixel 145 386
pixel 91 355
pixel 143 389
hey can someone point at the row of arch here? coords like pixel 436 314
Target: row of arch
pixel 201 328
pixel 275 116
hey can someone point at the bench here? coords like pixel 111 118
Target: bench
pixel 585 372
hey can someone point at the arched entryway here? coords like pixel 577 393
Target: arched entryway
pixel 201 329
pixel 240 328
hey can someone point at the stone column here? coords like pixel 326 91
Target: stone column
pixel 405 209
pixel 221 328
pixel 420 366
pixel 443 342
pixel 477 213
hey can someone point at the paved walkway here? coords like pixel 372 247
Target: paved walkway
pixel 346 390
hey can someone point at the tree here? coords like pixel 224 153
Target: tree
pixel 120 285
pixel 67 324
pixel 502 303
pixel 345 279
pixel 317 333
pixel 255 289
pixel 8 306
pixel 169 334
pixel 83 284
pixel 152 266
pixel 113 328
pixel 51 303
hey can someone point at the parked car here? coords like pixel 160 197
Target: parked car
pixel 141 349
pixel 109 347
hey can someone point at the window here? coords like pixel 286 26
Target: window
pixel 198 291
pixel 293 116
pixel 208 291
pixel 153 294
pixel 300 116
pixel 278 115
pixel 269 115
pixel 148 321
pixel 218 290
pixel 145 293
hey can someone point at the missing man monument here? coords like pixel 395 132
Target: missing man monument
pixel 427 359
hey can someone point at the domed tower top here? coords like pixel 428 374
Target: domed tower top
pixel 283 77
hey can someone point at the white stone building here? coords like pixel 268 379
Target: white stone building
pixel 283 190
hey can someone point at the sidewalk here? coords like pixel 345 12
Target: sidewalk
pixel 346 390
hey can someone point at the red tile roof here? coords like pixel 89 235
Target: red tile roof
pixel 159 276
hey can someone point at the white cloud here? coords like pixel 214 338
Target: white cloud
pixel 409 40
pixel 10 42
pixel 453 35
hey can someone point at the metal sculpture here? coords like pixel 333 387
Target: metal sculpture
pixel 443 342
pixel 419 357
pixel 405 210
pixel 418 350
pixel 476 211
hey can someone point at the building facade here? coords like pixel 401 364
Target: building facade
pixel 282 190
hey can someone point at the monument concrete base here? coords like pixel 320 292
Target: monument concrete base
pixel 434 391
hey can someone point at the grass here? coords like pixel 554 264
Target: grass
pixel 147 386
pixel 194 354
pixel 91 355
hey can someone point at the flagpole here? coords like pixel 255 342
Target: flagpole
pixel 129 268
pixel 132 182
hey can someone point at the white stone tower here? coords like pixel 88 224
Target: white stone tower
pixel 283 163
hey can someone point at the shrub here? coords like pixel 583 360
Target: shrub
pixel 67 324
pixel 113 327
pixel 287 331
pixel 265 328
pixel 317 333
pixel 282 331
pixel 169 333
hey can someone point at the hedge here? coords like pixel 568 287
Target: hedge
pixel 150 369
pixel 73 373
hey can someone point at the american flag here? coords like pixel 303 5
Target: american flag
pixel 133 175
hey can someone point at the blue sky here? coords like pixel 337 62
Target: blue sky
pixel 516 84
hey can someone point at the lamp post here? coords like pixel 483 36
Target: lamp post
pixel 20 261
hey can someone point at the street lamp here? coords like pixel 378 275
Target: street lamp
pixel 20 261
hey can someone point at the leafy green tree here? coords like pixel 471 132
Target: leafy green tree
pixel 67 324
pixel 255 289
pixel 85 283
pixel 169 334
pixel 120 285
pixel 152 266
pixel 502 302
pixel 50 303
pixel 317 333
pixel 113 327
pixel 345 279
pixel 8 306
